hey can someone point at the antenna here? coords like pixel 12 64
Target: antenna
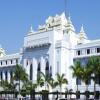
pixel 65 7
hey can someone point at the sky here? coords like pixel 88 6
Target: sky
pixel 16 17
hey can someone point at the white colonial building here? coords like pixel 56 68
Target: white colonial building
pixel 52 49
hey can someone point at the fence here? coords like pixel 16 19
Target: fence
pixel 45 95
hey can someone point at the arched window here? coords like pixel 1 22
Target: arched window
pixel 1 75
pixel 11 74
pixel 39 67
pixel 50 71
pixel 31 72
pixel 38 70
pixel 6 77
pixel 47 68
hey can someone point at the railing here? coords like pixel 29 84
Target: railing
pixel 45 95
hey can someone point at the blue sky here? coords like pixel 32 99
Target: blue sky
pixel 16 17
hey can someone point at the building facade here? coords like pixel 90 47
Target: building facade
pixel 52 49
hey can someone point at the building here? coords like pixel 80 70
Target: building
pixel 52 49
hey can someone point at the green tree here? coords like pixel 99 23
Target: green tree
pixel 40 81
pixel 52 83
pixel 77 71
pixel 94 62
pixel 28 86
pixel 86 75
pixel 7 86
pixel 46 79
pixel 61 80
pixel 20 74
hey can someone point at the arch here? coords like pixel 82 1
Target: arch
pixel 31 72
pixel 1 75
pixel 50 71
pixel 47 68
pixel 6 76
pixel 39 67
pixel 11 74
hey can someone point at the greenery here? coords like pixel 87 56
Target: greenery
pixel 61 80
pixel 89 71
pixel 20 74
pixel 86 72
pixel 77 71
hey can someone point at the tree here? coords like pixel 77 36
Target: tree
pixel 20 74
pixel 94 62
pixel 60 81
pixel 52 83
pixel 40 81
pixel 77 71
pixel 7 86
pixel 28 86
pixel 86 74
pixel 46 79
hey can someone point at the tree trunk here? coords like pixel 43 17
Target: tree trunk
pixel 77 87
pixel 94 89
pixel 60 90
pixel 86 87
pixel 86 92
pixel 19 86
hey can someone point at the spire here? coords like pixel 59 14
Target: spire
pixel 69 20
pixel 70 25
pixel 82 34
pixel 82 29
pixel 31 30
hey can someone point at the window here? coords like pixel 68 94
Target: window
pixel 27 62
pixel 88 51
pixel 11 61
pixel 50 71
pixel 1 62
pixel 11 74
pixel 6 75
pixel 47 68
pixel 16 61
pixel 38 70
pixel 31 72
pixel 1 75
pixel 78 52
pixel 98 50
pixel 6 62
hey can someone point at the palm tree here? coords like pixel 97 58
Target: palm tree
pixel 95 68
pixel 20 74
pixel 60 81
pixel 46 79
pixel 77 71
pixel 86 74
pixel 40 81
pixel 52 83
pixel 28 86
pixel 7 86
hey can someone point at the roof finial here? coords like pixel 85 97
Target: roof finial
pixel 69 20
pixel 31 29
pixel 82 29
pixel 82 33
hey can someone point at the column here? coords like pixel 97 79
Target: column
pixel 8 75
pixel 35 69
pixel 3 75
pixel 43 65
pixel 25 63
